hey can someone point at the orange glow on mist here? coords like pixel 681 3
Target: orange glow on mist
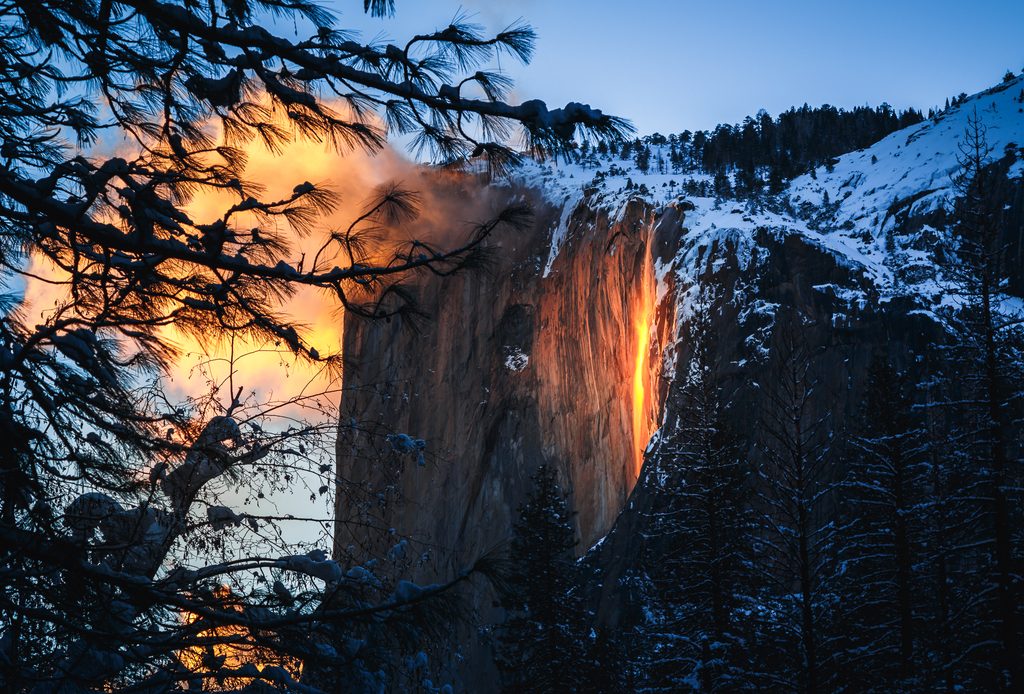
pixel 214 363
pixel 230 656
pixel 268 369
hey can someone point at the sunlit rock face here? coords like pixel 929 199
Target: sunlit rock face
pixel 570 362
pixel 766 278
pixel 531 361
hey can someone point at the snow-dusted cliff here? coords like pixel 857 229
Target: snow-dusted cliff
pixel 565 352
pixel 517 366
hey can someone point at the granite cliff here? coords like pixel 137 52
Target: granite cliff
pixel 515 367
pixel 566 351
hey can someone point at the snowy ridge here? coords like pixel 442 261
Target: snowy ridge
pixel 848 209
pixel 911 170
pixel 914 166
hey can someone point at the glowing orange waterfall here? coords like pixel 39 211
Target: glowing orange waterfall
pixel 643 416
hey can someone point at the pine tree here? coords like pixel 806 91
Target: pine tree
pixel 540 643
pixel 604 668
pixel 642 158
pixel 112 479
pixel 723 188
pixel 700 531
pixel 797 494
pixel 883 521
pixel 988 352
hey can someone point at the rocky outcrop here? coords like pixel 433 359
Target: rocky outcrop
pixel 519 365
pixel 573 364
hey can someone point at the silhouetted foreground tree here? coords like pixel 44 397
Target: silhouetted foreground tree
pixel 102 478
pixel 541 642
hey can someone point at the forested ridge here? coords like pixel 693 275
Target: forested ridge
pixel 762 152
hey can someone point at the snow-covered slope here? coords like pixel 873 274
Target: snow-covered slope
pixel 910 171
pixel 917 163
pixel 849 209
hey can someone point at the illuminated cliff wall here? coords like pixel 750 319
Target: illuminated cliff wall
pixel 512 369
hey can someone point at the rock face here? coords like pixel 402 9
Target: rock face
pixel 566 351
pixel 575 368
pixel 512 369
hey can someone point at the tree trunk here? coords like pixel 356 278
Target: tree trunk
pixel 1004 570
pixel 903 569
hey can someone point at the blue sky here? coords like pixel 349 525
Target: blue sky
pixel 670 66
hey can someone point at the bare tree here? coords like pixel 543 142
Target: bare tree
pixel 796 451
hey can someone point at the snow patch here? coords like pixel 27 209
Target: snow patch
pixel 561 230
pixel 516 359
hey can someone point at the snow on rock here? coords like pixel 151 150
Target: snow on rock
pixel 847 210
pixel 560 231
pixel 516 359
pixel 911 169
